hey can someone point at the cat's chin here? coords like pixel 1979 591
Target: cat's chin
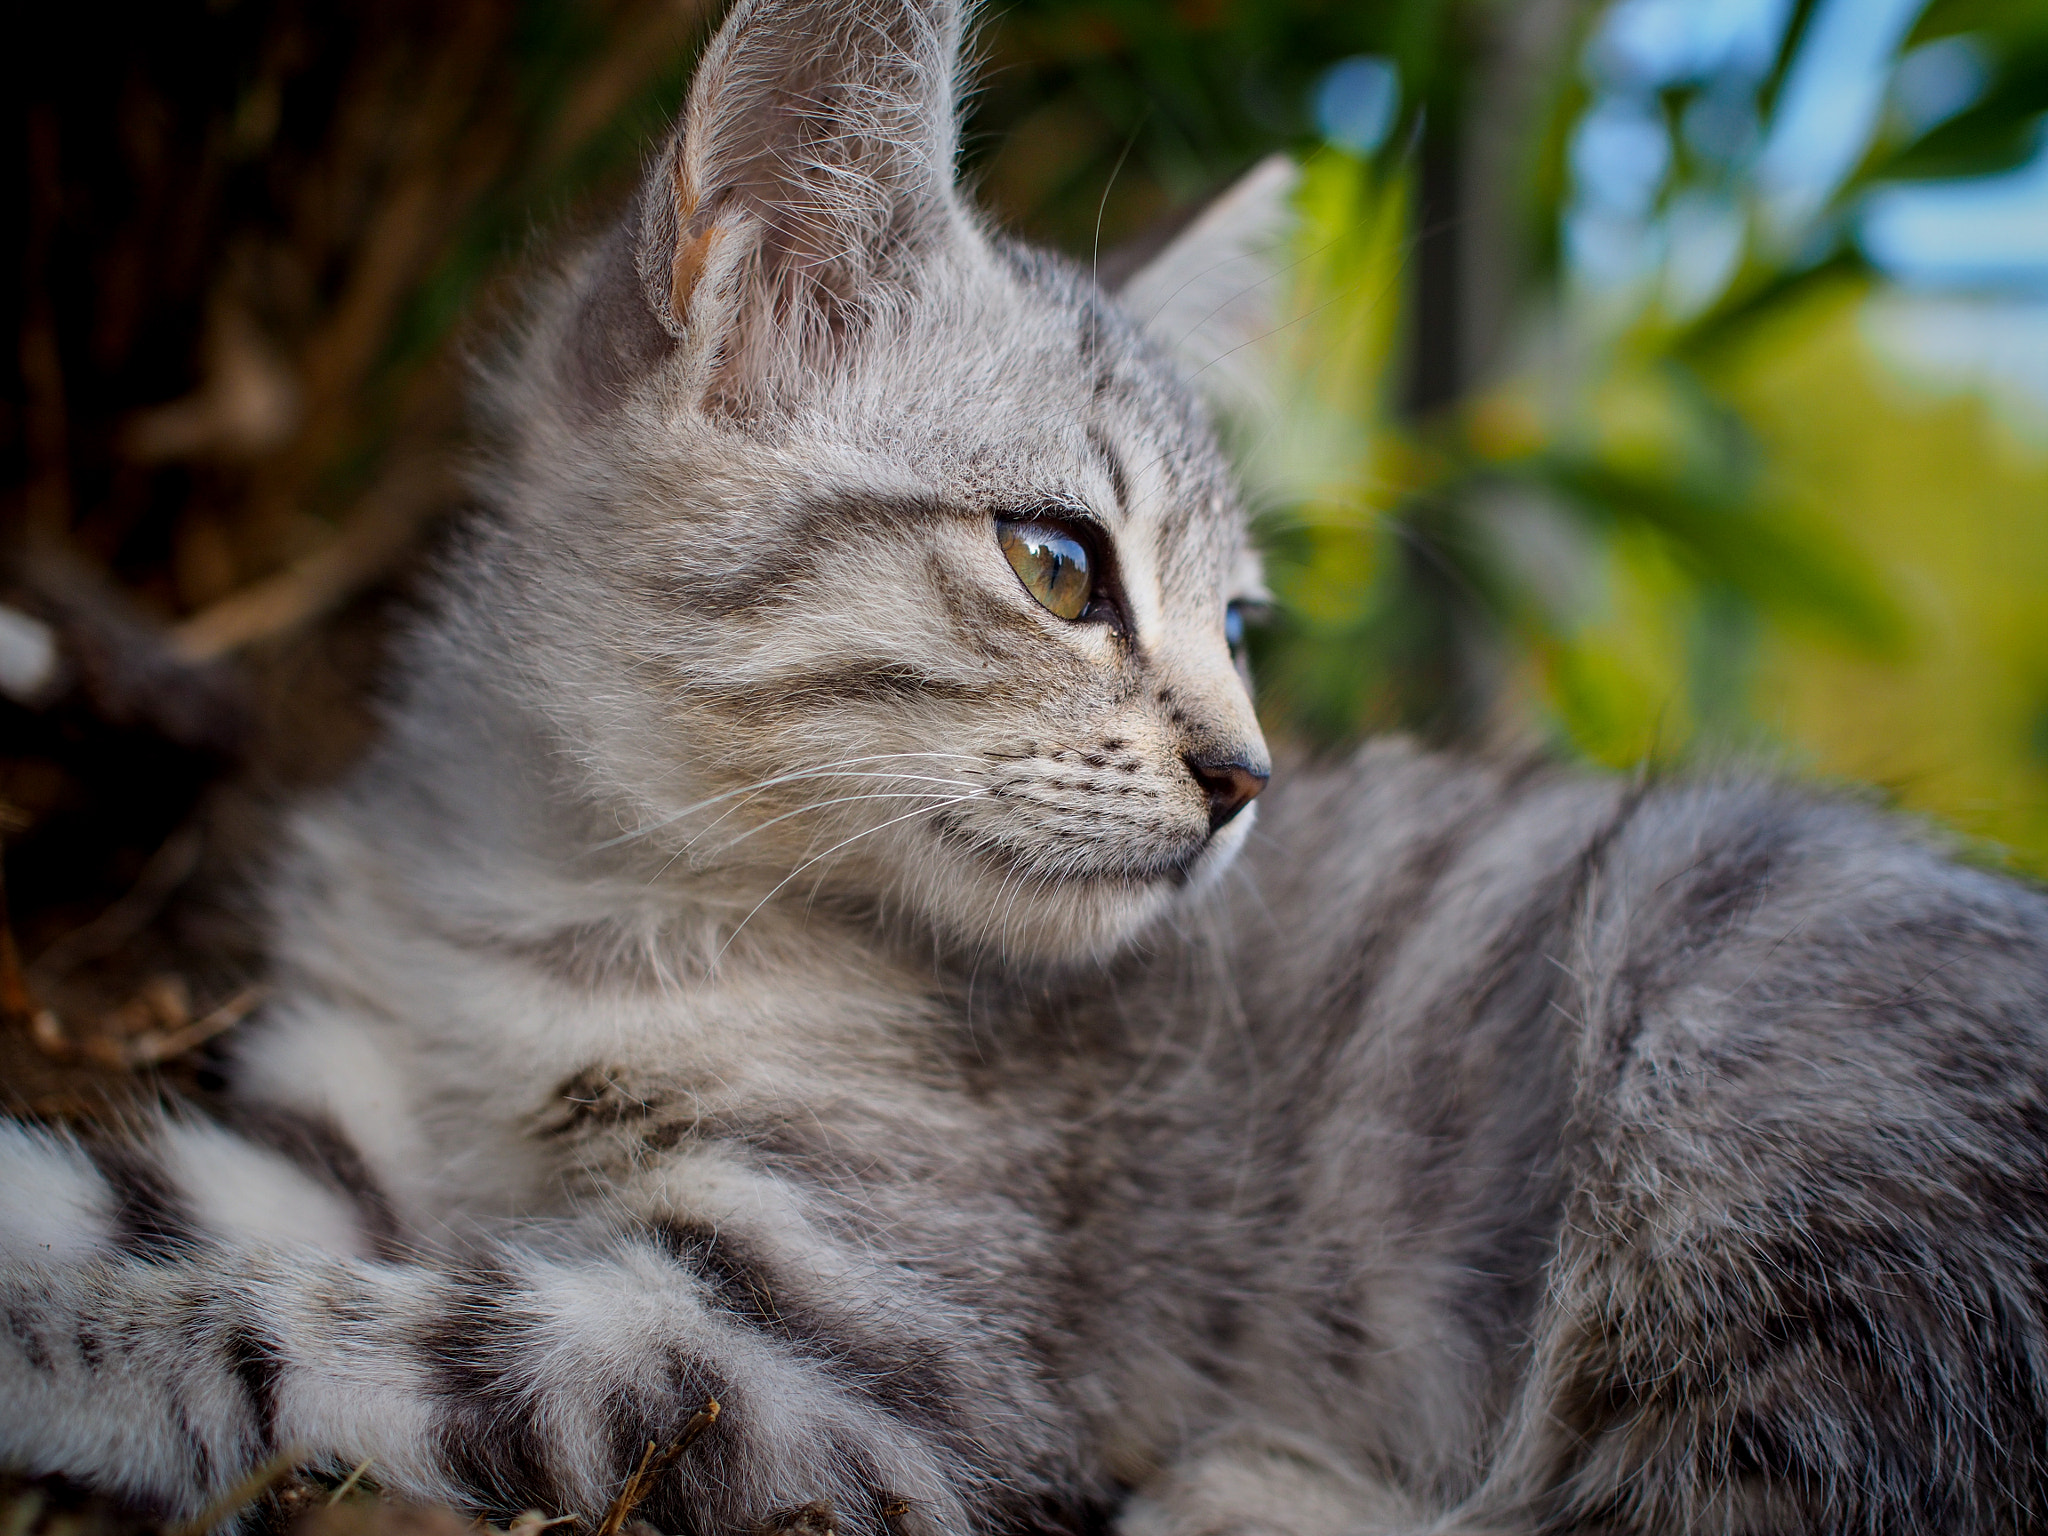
pixel 1085 917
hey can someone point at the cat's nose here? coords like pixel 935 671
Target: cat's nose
pixel 1231 784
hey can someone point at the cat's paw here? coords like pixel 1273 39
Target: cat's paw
pixel 802 1461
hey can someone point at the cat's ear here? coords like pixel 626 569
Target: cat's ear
pixel 811 175
pixel 1217 294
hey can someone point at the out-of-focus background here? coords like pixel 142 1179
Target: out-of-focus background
pixel 1667 378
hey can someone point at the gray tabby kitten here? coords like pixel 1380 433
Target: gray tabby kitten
pixel 788 952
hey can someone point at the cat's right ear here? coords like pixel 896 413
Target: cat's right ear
pixel 811 175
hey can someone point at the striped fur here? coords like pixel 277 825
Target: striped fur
pixel 771 959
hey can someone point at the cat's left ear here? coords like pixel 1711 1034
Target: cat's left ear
pixel 809 181
pixel 1217 294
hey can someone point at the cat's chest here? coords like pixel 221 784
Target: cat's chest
pixel 845 1084
pixel 554 1071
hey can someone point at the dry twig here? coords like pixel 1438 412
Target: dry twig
pixel 242 1495
pixel 348 1483
pixel 367 546
pixel 18 1006
pixel 654 1464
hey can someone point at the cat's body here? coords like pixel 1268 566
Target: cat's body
pixel 788 951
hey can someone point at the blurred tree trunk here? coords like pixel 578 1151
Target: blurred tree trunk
pixel 1475 226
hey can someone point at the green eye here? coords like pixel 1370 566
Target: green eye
pixel 1052 564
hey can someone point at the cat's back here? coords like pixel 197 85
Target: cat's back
pixel 1493 933
pixel 1403 874
pixel 1560 1075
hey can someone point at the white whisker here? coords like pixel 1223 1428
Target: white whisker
pixel 819 805
pixel 821 770
pixel 836 847
pixel 967 784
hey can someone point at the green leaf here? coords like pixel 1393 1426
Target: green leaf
pixel 2000 132
pixel 1796 28
pixel 1759 294
pixel 1981 142
pixel 1785 564
pixel 1995 19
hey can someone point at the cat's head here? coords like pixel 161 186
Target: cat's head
pixel 867 553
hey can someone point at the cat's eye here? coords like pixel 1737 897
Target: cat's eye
pixel 1240 613
pixel 1052 563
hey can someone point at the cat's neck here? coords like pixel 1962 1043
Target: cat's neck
pixel 450 916
pixel 474 820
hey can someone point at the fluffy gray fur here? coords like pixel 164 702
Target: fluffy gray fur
pixel 771 958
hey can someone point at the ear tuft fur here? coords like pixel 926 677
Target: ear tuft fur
pixel 685 269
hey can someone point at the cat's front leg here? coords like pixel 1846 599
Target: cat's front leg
pixel 163 1364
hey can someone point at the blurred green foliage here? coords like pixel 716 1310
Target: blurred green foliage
pixel 1648 512
pixel 1633 515
pixel 1637 517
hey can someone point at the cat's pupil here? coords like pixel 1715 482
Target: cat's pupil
pixel 1233 627
pixel 1052 564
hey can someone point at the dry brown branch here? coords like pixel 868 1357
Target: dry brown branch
pixel 18 1007
pixel 411 219
pixel 47 494
pixel 418 152
pixel 158 1046
pixel 654 1464
pixel 151 1028
pixel 247 402
pixel 368 545
pixel 168 869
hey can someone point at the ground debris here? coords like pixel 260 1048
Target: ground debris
pixel 154 1026
pixel 276 1500
pixel 384 1517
